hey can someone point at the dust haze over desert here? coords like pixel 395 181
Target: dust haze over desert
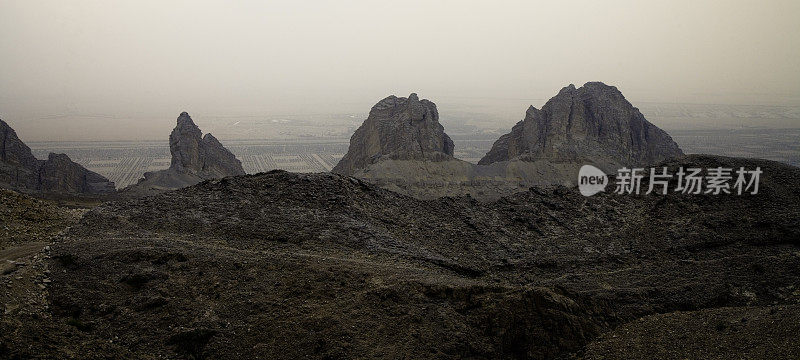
pixel 119 70
pixel 409 180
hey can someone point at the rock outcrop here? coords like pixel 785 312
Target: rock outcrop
pixel 592 124
pixel 20 170
pixel 397 129
pixel 18 167
pixel 60 174
pixel 204 156
pixel 194 158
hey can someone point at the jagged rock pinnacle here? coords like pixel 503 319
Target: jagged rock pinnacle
pixel 194 158
pixel 397 128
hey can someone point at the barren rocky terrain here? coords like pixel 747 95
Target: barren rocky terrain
pixel 285 266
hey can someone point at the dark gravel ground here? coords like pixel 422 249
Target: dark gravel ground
pixel 286 266
pixel 24 219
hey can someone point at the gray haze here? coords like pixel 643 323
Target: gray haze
pixel 109 70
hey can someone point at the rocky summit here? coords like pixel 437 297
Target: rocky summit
pixel 20 170
pixel 194 158
pixel 397 129
pixel 204 156
pixel 403 148
pixel 593 124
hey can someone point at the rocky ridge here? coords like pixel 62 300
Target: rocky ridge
pixel 20 170
pixel 590 125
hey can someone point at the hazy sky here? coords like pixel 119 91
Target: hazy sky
pixel 153 59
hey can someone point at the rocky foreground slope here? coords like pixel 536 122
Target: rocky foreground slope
pixel 25 220
pixel 20 170
pixel 286 266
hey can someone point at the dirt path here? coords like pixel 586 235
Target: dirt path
pixel 9 256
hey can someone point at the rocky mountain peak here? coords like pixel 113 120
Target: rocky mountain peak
pixel 593 123
pixel 397 128
pixel 567 89
pixel 60 174
pixel 195 157
pixel 202 155
pixel 186 124
pixel 217 160
pixel 184 144
pixel 12 149
pixel 20 170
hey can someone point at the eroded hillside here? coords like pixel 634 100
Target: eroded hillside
pixel 283 265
